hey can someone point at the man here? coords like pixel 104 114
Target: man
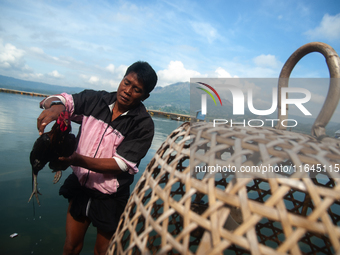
pixel 116 133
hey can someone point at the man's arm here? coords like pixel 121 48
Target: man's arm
pixel 46 103
pixel 98 165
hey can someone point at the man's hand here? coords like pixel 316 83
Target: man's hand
pixel 71 160
pixel 47 116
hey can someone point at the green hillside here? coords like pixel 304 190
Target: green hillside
pixel 172 98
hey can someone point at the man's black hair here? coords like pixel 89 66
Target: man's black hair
pixel 145 74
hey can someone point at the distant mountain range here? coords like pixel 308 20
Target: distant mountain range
pixel 37 87
pixel 172 98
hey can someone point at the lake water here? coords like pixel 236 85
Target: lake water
pixel 42 232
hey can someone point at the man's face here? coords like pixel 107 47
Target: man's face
pixel 130 91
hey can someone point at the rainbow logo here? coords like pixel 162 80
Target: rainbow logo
pixel 204 98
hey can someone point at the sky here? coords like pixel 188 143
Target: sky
pixel 91 43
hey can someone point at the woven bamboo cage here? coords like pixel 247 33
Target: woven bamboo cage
pixel 175 210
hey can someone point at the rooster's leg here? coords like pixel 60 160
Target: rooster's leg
pixel 57 177
pixel 35 191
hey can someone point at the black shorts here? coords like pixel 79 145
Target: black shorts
pixel 103 210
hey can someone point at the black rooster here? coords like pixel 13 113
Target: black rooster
pixel 58 142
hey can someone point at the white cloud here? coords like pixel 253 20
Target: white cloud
pixel 205 30
pixel 180 28
pixel 89 79
pixel 329 28
pixel 267 61
pixel 120 71
pixel 31 76
pixel 39 53
pixel 110 68
pixel 93 79
pixel 221 73
pixel 37 50
pixel 11 57
pixel 176 72
pixel 55 74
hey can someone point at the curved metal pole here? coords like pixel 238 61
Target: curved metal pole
pixel 333 96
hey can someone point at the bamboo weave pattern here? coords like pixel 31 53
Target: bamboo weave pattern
pixel 176 210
